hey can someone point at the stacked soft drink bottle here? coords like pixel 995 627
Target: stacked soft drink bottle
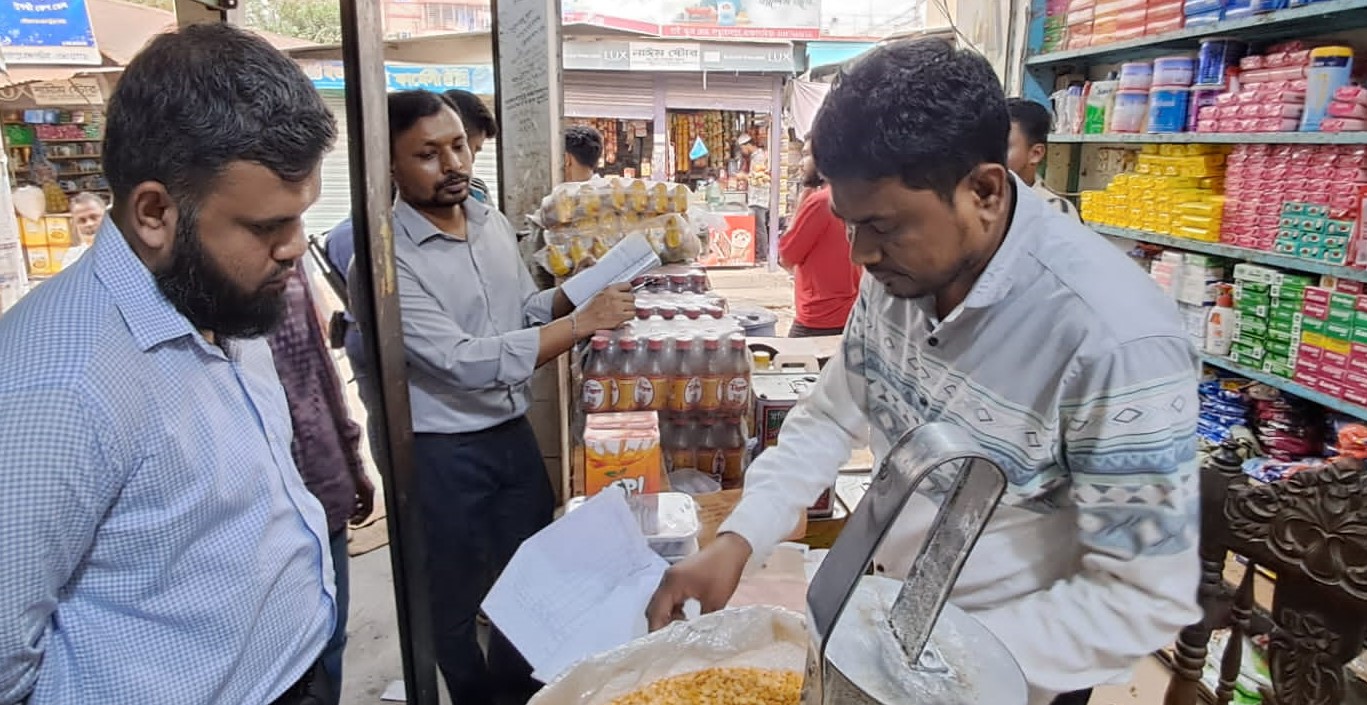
pixel 685 359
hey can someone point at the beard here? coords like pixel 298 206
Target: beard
pixel 202 292
pixel 441 197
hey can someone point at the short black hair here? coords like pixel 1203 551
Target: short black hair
pixel 920 110
pixel 406 108
pixel 197 99
pixel 474 114
pixel 1032 118
pixel 585 144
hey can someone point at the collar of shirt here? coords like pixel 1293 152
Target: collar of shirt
pixel 419 229
pixel 996 280
pixel 151 317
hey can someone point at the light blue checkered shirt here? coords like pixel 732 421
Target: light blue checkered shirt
pixel 159 545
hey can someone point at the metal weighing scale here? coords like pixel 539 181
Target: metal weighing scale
pixel 900 643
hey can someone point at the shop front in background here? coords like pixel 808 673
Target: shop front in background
pixel 52 136
pixel 698 98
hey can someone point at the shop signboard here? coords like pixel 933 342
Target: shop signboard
pixel 596 55
pixel 47 32
pixel 742 19
pixel 328 76
pixel 791 20
pixel 71 92
pixel 665 56
pixel 677 56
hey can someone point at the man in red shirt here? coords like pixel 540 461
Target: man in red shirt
pixel 816 250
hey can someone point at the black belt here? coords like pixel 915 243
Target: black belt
pixel 312 688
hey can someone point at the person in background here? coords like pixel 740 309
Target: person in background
pixel 986 308
pixel 480 125
pixel 811 178
pixel 583 150
pixel 87 212
pixel 158 540
pixel 757 165
pixel 1029 145
pixel 475 329
pixel 326 446
pixel 816 250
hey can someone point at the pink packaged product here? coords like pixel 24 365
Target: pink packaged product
pixel 1253 62
pixel 1285 73
pixel 1283 110
pixel 1340 109
pixel 1335 124
pixel 1351 94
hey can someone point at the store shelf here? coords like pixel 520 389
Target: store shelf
pixel 1270 259
pixel 1216 138
pixel 1287 385
pixel 79 141
pixel 1316 18
pixel 74 156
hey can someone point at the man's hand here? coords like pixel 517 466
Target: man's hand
pixel 365 499
pixel 612 307
pixel 710 577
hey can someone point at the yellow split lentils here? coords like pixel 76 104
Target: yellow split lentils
pixel 721 686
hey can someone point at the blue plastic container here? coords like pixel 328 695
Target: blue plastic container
pixel 1202 19
pixel 1168 110
pixel 1217 55
pixel 1201 7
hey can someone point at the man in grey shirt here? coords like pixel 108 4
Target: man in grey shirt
pixel 475 329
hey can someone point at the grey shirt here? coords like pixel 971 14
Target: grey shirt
pixel 470 310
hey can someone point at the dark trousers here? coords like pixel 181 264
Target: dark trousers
pixel 482 494
pixel 800 331
pixel 331 658
pixel 1080 697
pixel 761 233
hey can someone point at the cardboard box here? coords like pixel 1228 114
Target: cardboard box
pixel 58 229
pixel 32 233
pixel 1332 373
pixel 1308 352
pixel 1348 286
pixel 1318 295
pixel 1316 311
pixel 1338 331
pixel 775 396
pixel 1343 302
pixel 623 449
pixel 1305 378
pixel 1312 325
pixel 1333 359
pixel 1330 387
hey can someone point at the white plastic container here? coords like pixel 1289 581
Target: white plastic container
pixel 1174 71
pixel 1136 76
pixel 1129 112
pixel 669 521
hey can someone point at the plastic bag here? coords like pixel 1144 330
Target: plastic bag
pixel 692 482
pixel 747 637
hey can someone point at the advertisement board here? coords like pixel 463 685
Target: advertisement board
pixel 47 32
pixel 327 75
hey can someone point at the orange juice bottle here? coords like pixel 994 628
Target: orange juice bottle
pixel 736 376
pixel 731 439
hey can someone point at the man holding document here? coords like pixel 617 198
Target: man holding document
pixel 475 329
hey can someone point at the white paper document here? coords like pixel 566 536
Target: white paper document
pixel 578 587
pixel 628 259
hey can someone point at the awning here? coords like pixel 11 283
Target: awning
pixel 21 75
pixel 831 53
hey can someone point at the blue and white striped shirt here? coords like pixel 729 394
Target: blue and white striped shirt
pixel 159 544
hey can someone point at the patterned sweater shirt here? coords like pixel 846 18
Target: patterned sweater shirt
pixel 1071 370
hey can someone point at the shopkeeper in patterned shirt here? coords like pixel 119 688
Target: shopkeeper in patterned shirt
pixel 985 308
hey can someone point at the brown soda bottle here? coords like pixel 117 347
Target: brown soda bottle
pixel 736 383
pixel 711 458
pixel 732 443
pixel 599 380
pixel 685 389
pixel 711 374
pixel 652 387
pixel 680 444
pixel 628 366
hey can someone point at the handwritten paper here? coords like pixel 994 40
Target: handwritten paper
pixel 628 259
pixel 578 587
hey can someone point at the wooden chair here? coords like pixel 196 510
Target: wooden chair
pixel 1311 531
